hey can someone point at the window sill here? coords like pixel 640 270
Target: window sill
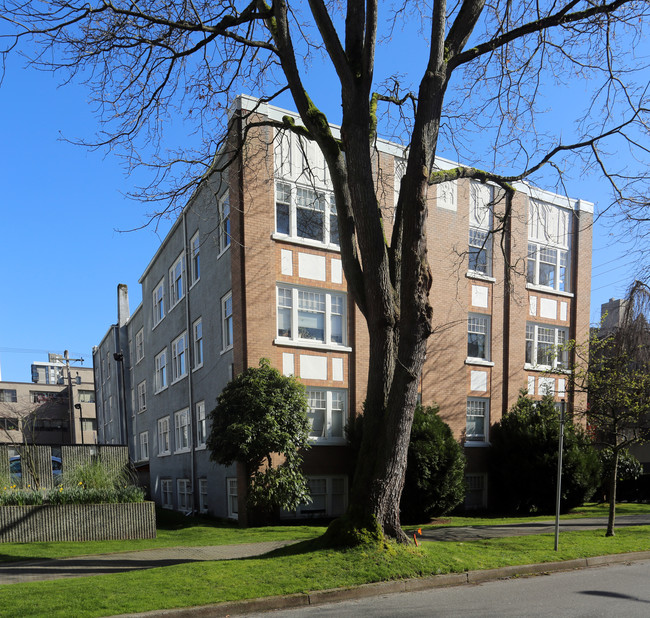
pixel 200 447
pixel 180 379
pixel 476 444
pixel 472 274
pixel 160 322
pixel 164 388
pixel 180 451
pixel 197 367
pixel 178 302
pixel 479 361
pixel 546 290
pixel 194 282
pixel 226 349
pixel 142 411
pixel 328 441
pixel 165 454
pixel 223 251
pixel 332 347
pixel 305 242
pixel 546 369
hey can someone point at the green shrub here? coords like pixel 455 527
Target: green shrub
pixel 96 475
pixel 83 495
pixel 435 473
pixel 523 460
pixel 11 495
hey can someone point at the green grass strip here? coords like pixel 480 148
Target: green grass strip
pixel 297 569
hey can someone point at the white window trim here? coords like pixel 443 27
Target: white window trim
pixel 328 439
pixel 295 340
pixel 145 435
pixel 203 485
pixel 184 488
pixel 180 260
pixel 175 357
pixel 546 290
pixel 485 246
pixel 194 340
pixel 292 236
pixel 157 372
pixel 139 336
pixel 195 241
pixel 230 483
pixel 471 274
pixel 142 390
pixel 201 420
pixel 224 300
pixel 177 431
pixel 166 482
pixel 477 360
pixel 154 297
pixel 555 368
pixel 305 510
pixel 486 424
pixel 161 425
pixel 223 246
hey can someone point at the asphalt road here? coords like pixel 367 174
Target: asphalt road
pixel 618 590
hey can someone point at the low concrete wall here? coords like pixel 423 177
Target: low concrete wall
pixel 77 522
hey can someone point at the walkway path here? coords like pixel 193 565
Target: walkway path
pixel 82 566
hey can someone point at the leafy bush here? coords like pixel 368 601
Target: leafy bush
pixel 524 459
pixel 11 495
pixel 96 475
pixel 83 495
pixel 435 473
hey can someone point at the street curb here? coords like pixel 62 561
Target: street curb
pixel 321 597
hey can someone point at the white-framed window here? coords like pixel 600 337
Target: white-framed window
pixel 179 357
pixel 195 247
pixel 160 380
pixel 478 336
pixel 549 252
pixel 231 497
pixel 184 492
pixel 545 346
pixel 142 396
pixel 197 330
pixel 327 415
pixel 478 418
pixel 164 447
pixel 476 494
pixel 182 430
pixel 305 214
pixel 203 495
pixel 139 345
pixel 84 396
pixel 328 497
pixel 201 425
pixel 159 302
pixel 226 322
pixel 224 222
pixel 480 224
pixel 308 315
pixel 144 446
pixel 166 494
pixel 177 281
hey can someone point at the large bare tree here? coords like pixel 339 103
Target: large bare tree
pixel 484 70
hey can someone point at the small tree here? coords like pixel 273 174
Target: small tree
pixel 435 474
pixel 259 414
pixel 614 369
pixel 524 459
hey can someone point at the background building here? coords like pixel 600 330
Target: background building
pixel 252 269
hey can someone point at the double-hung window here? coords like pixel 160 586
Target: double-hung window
pixel 8 395
pixel 159 302
pixel 179 357
pixel 316 316
pixel 203 495
pixel 182 430
pixel 480 224
pixel 184 490
pixel 201 425
pixel 545 346
pixel 327 415
pixel 142 396
pixel 549 254
pixel 328 497
pixel 478 414
pixel 144 446
pixel 306 214
pixel 177 281
pixel 224 223
pixel 195 246
pixel 164 447
pixel 160 380
pixel 478 337
pixel 231 488
pixel 139 345
pixel 197 329
pixel 166 495
pixel 226 322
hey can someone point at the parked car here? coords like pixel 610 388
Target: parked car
pixel 16 469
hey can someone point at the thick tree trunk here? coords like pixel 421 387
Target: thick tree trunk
pixel 612 496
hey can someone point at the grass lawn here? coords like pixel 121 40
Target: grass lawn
pixel 296 569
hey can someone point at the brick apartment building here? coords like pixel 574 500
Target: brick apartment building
pixel 252 269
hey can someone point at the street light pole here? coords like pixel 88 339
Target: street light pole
pixel 559 477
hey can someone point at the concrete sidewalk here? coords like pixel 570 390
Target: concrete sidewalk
pixel 102 564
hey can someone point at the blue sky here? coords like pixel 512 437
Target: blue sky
pixel 61 205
